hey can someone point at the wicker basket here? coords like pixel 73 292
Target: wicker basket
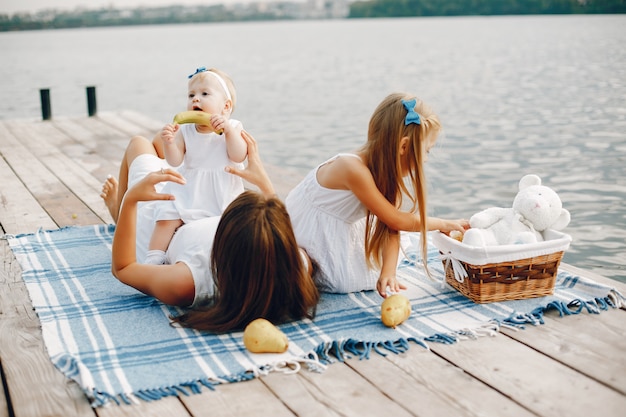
pixel 508 277
pixel 524 278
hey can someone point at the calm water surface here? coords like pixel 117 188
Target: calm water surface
pixel 516 95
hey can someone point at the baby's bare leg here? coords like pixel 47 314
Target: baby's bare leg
pixel 162 234
pixel 160 240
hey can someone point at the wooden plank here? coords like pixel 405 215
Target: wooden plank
pixel 19 210
pixel 74 176
pixel 535 381
pixel 592 344
pixel 345 392
pixel 131 124
pixel 86 148
pixel 430 386
pixel 337 391
pixel 35 386
pixel 241 399
pixel 82 145
pixel 103 134
pixel 298 394
pixel 60 203
pixel 169 406
pixel 618 285
pixel 150 126
pixel 92 142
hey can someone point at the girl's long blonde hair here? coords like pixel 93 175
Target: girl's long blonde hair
pixel 386 130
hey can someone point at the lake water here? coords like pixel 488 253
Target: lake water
pixel 516 95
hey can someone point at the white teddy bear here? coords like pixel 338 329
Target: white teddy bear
pixel 535 209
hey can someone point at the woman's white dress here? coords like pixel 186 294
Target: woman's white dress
pixel 192 242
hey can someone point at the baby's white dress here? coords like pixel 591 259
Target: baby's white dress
pixel 330 226
pixel 209 189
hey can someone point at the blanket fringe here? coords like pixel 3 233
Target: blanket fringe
pixel 345 349
pixel 99 399
pixel 186 389
pixel 576 306
pixel 292 366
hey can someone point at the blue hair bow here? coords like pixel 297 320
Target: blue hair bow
pixel 411 115
pixel 198 71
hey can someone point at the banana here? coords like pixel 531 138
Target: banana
pixel 194 116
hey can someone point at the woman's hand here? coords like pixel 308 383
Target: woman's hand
pixel 144 190
pixel 255 172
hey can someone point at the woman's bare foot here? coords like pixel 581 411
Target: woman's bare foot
pixel 109 195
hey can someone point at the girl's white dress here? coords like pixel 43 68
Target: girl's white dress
pixel 330 226
pixel 209 189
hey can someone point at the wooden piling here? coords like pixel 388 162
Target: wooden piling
pixel 91 101
pixel 46 110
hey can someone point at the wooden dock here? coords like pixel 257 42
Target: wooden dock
pixel 50 176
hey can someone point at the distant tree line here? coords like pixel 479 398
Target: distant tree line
pixel 405 8
pixel 53 19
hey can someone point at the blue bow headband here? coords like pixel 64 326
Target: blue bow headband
pixel 411 115
pixel 217 76
pixel 198 71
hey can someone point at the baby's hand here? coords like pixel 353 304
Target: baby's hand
pixel 391 282
pixel 219 123
pixel 169 132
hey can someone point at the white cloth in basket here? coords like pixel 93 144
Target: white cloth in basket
pixel 481 255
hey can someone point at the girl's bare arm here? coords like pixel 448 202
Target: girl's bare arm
pixel 387 278
pixel 358 178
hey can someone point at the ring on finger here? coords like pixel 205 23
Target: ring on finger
pixel 162 171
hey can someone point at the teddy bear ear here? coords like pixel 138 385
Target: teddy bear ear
pixel 529 180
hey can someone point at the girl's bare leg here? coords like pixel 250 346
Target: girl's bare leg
pixel 113 190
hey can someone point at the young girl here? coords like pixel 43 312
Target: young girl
pixel 203 155
pixel 346 212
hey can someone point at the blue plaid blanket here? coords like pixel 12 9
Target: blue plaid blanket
pixel 119 346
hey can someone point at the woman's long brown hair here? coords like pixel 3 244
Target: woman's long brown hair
pixel 386 130
pixel 257 269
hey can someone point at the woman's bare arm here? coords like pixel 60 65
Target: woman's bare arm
pixel 172 284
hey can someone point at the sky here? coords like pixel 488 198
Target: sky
pixel 16 6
